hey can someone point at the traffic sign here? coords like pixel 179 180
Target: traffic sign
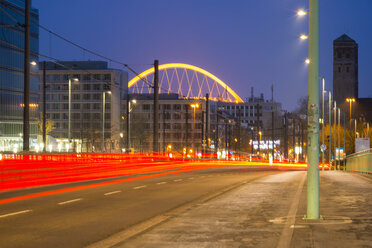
pixel 323 147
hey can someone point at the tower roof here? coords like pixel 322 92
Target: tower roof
pixel 344 38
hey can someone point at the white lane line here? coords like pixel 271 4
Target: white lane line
pixel 177 180
pixel 70 201
pixel 287 232
pixel 15 213
pixel 161 183
pixel 113 192
pixel 140 187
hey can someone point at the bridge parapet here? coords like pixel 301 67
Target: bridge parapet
pixel 360 161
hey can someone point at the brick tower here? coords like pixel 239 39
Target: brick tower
pixel 345 69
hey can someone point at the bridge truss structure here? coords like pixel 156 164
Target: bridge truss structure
pixel 188 81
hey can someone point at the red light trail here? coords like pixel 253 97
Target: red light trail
pixel 25 171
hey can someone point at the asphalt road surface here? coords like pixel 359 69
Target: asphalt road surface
pixel 78 218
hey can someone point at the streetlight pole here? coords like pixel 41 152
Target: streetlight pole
pixel 259 143
pixel 194 106
pixel 103 118
pixel 313 113
pixel 26 81
pixel 330 128
pixel 350 101
pixel 69 108
pixel 335 137
pixel 323 81
pixel 355 129
pixel 44 107
pixel 339 140
pixel 344 162
pixel 128 121
pixel 69 112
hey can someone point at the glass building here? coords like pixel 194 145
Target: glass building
pixel 11 75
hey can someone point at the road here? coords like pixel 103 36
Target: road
pixel 85 215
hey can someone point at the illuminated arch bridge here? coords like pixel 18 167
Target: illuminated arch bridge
pixel 186 80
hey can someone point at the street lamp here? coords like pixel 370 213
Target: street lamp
pixel 335 137
pixel 330 128
pixel 69 107
pixel 307 61
pixel 350 101
pixel 259 144
pixel 128 120
pixel 121 140
pixel 301 12
pixel 194 106
pixel 304 37
pixel 323 91
pixel 103 118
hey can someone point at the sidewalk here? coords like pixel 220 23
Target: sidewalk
pixel 269 213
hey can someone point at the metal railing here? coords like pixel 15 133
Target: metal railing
pixel 360 161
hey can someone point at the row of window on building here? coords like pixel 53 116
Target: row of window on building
pixel 62 126
pixel 147 107
pixel 64 97
pixel 78 116
pixel 82 77
pixel 85 106
pixel 75 86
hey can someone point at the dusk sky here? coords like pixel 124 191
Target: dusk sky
pixel 246 43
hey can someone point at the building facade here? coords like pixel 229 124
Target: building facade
pixel 180 123
pixel 96 92
pixel 183 124
pixel 345 79
pixel 345 69
pixel 11 75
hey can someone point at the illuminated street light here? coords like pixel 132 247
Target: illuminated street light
pixel 103 118
pixel 304 37
pixel 350 101
pixel 301 12
pixel 129 110
pixel 259 133
pixel 307 61
pixel 69 107
pixel 194 106
pixel 33 63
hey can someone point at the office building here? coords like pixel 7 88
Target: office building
pixel 11 75
pixel 93 85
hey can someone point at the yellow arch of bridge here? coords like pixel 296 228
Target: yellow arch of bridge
pixel 189 67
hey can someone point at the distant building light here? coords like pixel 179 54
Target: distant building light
pixel 31 105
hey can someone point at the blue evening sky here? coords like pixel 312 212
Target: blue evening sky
pixel 246 43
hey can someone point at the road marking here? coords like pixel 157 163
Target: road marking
pixel 15 213
pixel 177 180
pixel 287 232
pixel 191 178
pixel 140 187
pixel 113 192
pixel 70 201
pixel 161 183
